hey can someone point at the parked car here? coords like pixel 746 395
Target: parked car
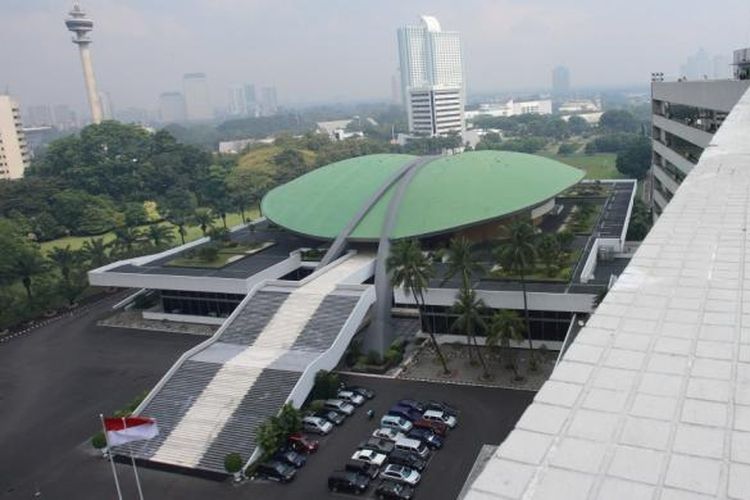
pixel 369 456
pixel 394 422
pixel 317 425
pixel 367 393
pixel 339 405
pixel 442 417
pixel 438 428
pixel 392 490
pixel 440 406
pixel 404 412
pixel 386 433
pixel 360 467
pixel 413 404
pixel 378 445
pixel 275 470
pixel 407 458
pixel 413 446
pixel 427 437
pixel 301 444
pixel 352 397
pixel 401 474
pixel 290 457
pixel 334 417
pixel 348 481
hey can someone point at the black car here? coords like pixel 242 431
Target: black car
pixel 392 490
pixel 407 458
pixel 440 406
pixel 276 471
pixel 414 405
pixel 428 437
pixel 377 444
pixel 290 457
pixel 332 416
pixel 362 391
pixel 364 468
pixel 351 482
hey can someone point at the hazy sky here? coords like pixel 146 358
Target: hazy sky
pixel 321 50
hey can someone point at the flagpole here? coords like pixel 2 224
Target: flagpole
pixel 111 459
pixel 135 469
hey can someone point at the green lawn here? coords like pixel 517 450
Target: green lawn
pixel 596 166
pixel 225 256
pixel 193 233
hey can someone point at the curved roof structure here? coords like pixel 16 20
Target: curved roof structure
pixel 448 193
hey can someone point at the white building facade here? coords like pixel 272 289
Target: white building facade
pixel 195 88
pixel 14 152
pixel 432 80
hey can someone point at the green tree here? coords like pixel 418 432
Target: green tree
pixel 618 120
pixel 65 259
pixel 160 235
pixel 126 238
pixel 468 309
pixel 178 206
pixel 640 221
pixel 269 436
pixel 95 251
pixel 577 125
pixel 29 263
pixel 635 160
pixel 290 420
pixel 518 254
pixel 411 269
pixel 204 219
pixel 549 252
pixel 505 327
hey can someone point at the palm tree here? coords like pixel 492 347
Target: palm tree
pixel 504 327
pixel 204 219
pixel 95 251
pixel 468 309
pixel 125 238
pixel 411 269
pixel 65 259
pixel 518 255
pixel 549 252
pixel 160 234
pixel 29 263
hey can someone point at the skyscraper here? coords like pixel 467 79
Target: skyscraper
pixel 561 81
pixel 14 152
pixel 268 102
pixel 242 100
pixel 432 78
pixel 172 107
pixel 80 25
pixel 195 88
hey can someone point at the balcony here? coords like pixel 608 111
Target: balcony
pixel 689 133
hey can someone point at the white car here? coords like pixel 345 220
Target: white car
pixel 387 433
pixel 397 423
pixel 401 473
pixel 440 416
pixel 317 425
pixel 352 397
pixel 339 405
pixel 369 456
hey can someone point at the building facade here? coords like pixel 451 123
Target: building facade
pixel 432 79
pixel 561 81
pixel 14 151
pixel 686 114
pixel 269 103
pixel 197 101
pixel 172 107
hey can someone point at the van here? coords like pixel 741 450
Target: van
pixel 413 446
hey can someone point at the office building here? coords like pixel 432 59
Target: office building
pixel 512 107
pixel 38 116
pixel 172 107
pixel 560 81
pixel 81 26
pixel 432 79
pixel 268 101
pixel 242 101
pixel 14 152
pixel 686 114
pixel 197 101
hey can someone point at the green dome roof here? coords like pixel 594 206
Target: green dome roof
pixel 447 193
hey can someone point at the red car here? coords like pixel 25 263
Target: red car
pixel 438 428
pixel 302 444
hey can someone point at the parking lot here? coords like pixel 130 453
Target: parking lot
pixel 487 415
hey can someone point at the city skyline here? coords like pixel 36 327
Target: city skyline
pixel 277 44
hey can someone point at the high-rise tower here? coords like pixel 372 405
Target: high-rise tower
pixel 80 26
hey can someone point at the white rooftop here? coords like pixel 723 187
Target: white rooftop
pixel 652 400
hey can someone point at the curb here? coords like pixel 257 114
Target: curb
pixel 465 383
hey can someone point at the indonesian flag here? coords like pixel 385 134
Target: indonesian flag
pixel 125 430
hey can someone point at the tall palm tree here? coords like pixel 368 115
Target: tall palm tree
pixel 411 269
pixel 29 263
pixel 126 238
pixel 549 252
pixel 518 255
pixel 65 259
pixel 160 234
pixel 504 327
pixel 95 251
pixel 468 309
pixel 204 219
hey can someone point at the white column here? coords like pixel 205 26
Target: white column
pixel 88 76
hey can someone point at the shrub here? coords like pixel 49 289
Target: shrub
pixel 208 253
pixel 233 463
pixel 326 385
pixel 393 356
pixel 316 405
pixel 373 358
pixel 99 441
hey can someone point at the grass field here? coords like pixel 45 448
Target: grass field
pixel 193 233
pixel 596 166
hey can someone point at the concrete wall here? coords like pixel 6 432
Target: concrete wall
pixel 719 95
